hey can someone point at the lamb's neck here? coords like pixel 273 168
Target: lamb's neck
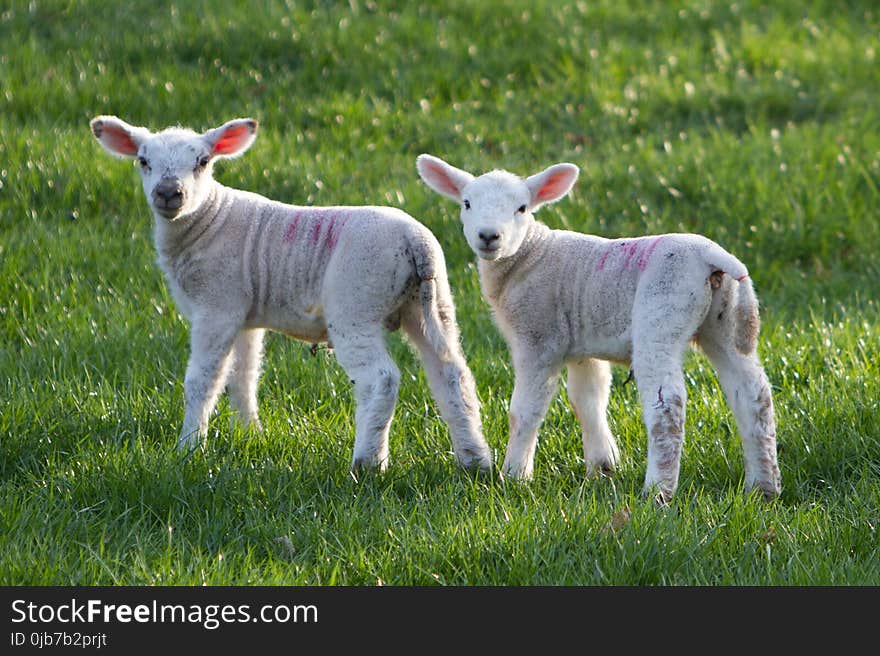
pixel 496 275
pixel 175 237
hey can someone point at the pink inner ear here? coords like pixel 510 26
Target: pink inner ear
pixel 232 140
pixel 441 179
pixel 118 140
pixel 554 187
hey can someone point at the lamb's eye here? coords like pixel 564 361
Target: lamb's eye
pixel 467 204
pixel 203 161
pixel 143 162
pixel 521 209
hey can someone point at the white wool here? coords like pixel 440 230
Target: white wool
pixel 564 299
pixel 238 264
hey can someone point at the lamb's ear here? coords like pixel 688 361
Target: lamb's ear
pixel 118 137
pixel 551 184
pixel 443 178
pixel 232 138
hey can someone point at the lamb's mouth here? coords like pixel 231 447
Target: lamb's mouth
pixel 168 210
pixel 488 252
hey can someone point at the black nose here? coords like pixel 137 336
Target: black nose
pixel 169 191
pixel 488 236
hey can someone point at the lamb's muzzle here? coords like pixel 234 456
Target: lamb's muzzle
pixel 167 197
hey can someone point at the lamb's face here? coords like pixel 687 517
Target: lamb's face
pixel 495 214
pixel 175 167
pixel 497 207
pixel 175 164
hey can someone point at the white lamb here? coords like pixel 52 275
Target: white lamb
pixel 238 263
pixel 565 299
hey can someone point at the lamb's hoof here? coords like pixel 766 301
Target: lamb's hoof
pixel 190 443
pixel 601 457
pixel 769 490
pixel 364 465
pixel 660 494
pixel 601 468
pixel 476 462
pixel 252 426
pixel 515 474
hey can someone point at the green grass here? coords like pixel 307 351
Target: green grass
pixel 754 125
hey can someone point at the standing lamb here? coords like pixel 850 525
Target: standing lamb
pixel 566 299
pixel 238 263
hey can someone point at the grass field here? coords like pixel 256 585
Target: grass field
pixel 755 124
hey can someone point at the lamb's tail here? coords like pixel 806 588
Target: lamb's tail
pixel 747 323
pixel 746 319
pixel 437 309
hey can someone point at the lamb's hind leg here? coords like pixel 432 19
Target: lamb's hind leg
pixel 661 333
pixel 452 386
pixel 748 393
pixel 376 379
pixel 589 385
pixel 663 396
pixel 247 351
pixel 669 308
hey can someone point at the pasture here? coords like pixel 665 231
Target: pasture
pixel 756 124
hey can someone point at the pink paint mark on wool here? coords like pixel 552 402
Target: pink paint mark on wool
pixel 601 263
pixel 337 222
pixel 290 233
pixel 316 231
pixel 331 240
pixel 630 249
pixel 646 254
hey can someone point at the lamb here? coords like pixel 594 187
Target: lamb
pixel 238 264
pixel 566 299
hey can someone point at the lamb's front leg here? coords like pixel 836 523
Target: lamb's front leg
pixel 589 386
pixel 247 352
pixel 210 355
pixel 533 389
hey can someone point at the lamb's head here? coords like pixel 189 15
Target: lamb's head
pixel 175 164
pixel 496 207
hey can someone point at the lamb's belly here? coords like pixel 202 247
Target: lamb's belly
pixel 308 325
pixel 616 348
